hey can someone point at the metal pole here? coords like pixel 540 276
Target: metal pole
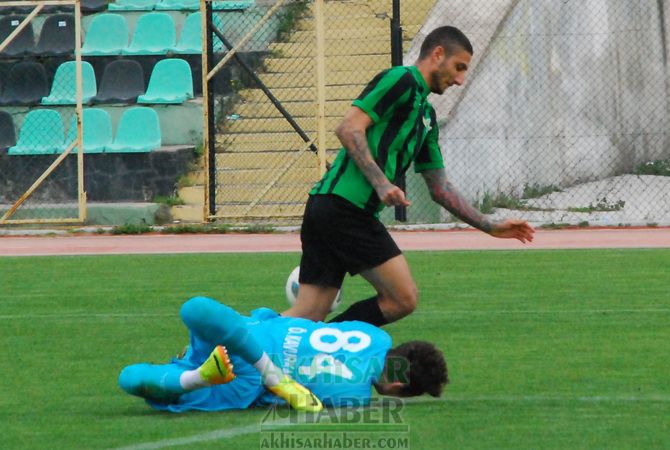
pixel 397 60
pixel 210 140
pixel 319 7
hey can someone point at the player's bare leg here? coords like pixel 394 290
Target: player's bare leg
pixel 313 302
pixel 397 294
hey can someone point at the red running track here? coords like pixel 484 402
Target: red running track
pixel 290 242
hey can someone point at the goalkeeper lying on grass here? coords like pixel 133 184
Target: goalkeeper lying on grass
pixel 228 363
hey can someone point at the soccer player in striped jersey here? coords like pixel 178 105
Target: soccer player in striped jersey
pixel 313 363
pixel 389 127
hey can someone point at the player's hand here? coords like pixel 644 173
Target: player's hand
pixel 515 229
pixel 392 195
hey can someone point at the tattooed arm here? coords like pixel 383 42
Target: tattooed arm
pixel 444 193
pixel 352 135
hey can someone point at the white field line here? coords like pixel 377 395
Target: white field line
pixel 544 312
pixel 427 312
pixel 84 316
pixel 248 429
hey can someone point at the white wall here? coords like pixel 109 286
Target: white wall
pixel 560 92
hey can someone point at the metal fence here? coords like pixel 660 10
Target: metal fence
pixel 562 119
pixel 41 165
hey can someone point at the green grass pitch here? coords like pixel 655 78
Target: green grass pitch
pixel 546 349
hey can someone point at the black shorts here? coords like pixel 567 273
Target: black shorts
pixel 338 237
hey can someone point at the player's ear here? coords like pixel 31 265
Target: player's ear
pixel 394 388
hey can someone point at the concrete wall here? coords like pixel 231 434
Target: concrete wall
pixel 560 92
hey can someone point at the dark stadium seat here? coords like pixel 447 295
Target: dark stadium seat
pixel 122 82
pixel 7 131
pixel 22 44
pixel 25 84
pixel 93 6
pixel 57 36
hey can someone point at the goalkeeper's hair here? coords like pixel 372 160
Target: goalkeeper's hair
pixel 451 39
pixel 420 366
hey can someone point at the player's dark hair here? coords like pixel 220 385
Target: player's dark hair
pixel 420 366
pixel 451 39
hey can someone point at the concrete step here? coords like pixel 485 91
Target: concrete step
pixel 274 125
pixel 333 78
pixel 247 110
pixel 285 210
pixel 351 20
pixel 261 193
pixel 266 160
pixel 267 142
pixel 193 195
pixel 334 33
pixel 333 63
pixel 263 176
pixel 334 47
pixel 188 213
pixel 345 92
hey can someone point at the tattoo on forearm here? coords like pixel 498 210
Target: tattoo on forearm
pixel 356 143
pixel 445 194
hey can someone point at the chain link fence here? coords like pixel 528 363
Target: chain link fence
pixel 562 119
pixel 39 167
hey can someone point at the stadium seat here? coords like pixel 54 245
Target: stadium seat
pixel 227 5
pixel 171 82
pixel 178 5
pixel 41 134
pixel 22 44
pixel 122 82
pixel 25 84
pixel 7 132
pixel 107 35
pixel 93 6
pixel 138 131
pixel 133 5
pixel 154 35
pixel 97 131
pixel 57 36
pixel 190 39
pixel 64 86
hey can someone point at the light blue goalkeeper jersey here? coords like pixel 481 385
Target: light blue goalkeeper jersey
pixel 338 362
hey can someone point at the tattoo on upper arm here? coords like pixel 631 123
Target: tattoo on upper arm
pixel 356 143
pixel 445 194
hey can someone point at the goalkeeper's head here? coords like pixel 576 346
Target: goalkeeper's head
pixel 413 368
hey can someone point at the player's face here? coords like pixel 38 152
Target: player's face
pixel 449 70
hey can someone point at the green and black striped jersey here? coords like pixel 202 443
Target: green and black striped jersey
pixel 404 130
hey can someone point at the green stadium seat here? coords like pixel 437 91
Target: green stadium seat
pixel 41 134
pixel 97 131
pixel 155 34
pixel 107 35
pixel 138 131
pixel 171 82
pixel 190 39
pixel 227 5
pixel 132 5
pixel 64 86
pixel 178 5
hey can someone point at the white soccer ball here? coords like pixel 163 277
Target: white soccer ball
pixel 292 286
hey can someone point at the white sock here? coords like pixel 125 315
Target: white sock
pixel 191 380
pixel 270 373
